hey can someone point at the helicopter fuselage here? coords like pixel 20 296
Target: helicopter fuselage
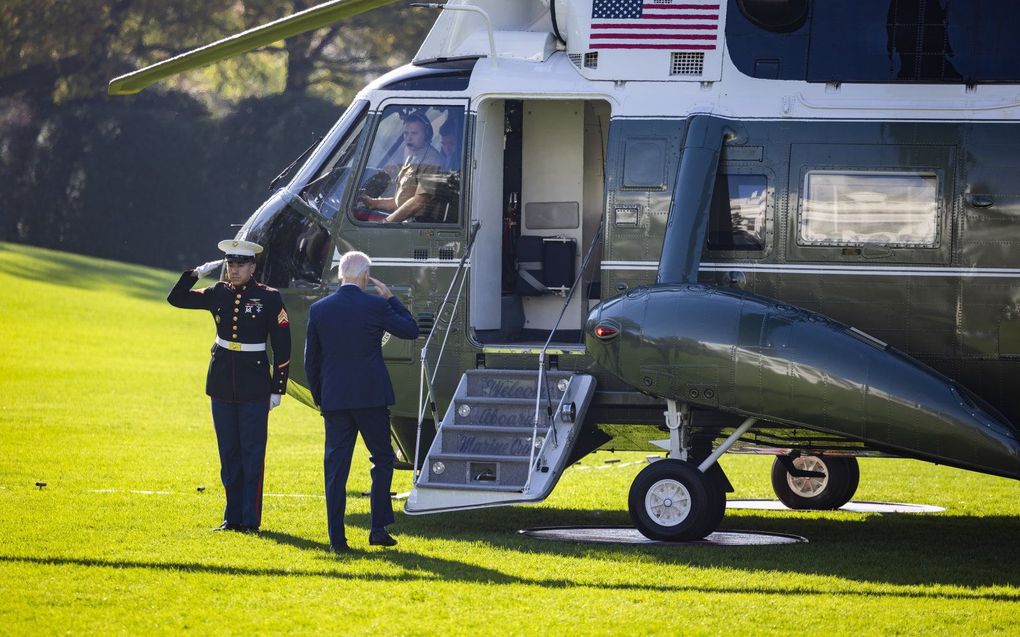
pixel 886 208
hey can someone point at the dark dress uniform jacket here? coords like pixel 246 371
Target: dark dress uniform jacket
pixel 247 314
pixel 343 348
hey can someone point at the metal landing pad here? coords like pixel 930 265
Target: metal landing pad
pixel 630 535
pixel 854 506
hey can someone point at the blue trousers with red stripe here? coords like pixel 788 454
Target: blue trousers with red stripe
pixel 241 433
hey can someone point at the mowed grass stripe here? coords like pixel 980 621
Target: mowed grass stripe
pixel 101 388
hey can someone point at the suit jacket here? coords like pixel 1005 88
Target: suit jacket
pixel 343 348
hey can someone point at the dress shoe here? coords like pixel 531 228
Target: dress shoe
pixel 228 527
pixel 249 530
pixel 339 549
pixel 379 537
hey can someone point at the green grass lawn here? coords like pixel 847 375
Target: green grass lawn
pixel 101 397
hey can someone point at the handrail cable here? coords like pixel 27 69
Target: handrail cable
pixel 541 359
pixel 426 396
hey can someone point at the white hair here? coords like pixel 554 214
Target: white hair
pixel 353 264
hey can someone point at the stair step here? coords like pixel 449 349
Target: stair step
pixel 471 457
pixel 496 429
pixel 502 412
pixel 493 400
pixel 514 441
pixel 470 487
pixel 492 371
pixel 491 470
pixel 486 426
pixel 512 383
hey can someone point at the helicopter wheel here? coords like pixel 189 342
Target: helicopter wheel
pixel 842 476
pixel 671 501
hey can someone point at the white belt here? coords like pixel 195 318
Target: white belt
pixel 241 347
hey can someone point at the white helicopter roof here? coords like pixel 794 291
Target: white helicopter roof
pixel 651 40
pixel 661 66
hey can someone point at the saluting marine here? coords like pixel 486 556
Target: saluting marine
pixel 240 382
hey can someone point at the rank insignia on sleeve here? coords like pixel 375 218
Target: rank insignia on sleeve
pixel 281 318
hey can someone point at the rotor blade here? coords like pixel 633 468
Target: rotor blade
pixel 300 22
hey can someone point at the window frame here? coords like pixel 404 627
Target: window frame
pixel 374 120
pixel 363 118
pixel 765 215
pixel 749 169
pixel 922 172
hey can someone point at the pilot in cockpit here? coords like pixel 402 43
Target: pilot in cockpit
pixel 415 184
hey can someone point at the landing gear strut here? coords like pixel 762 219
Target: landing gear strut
pixel 676 500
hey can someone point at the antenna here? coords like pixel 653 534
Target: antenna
pixel 470 9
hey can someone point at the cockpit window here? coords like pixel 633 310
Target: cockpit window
pixel 413 173
pixel 325 193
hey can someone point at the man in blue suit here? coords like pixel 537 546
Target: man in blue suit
pixel 350 384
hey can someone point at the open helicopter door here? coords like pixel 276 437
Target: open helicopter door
pixel 538 191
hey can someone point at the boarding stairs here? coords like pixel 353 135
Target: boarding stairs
pixel 505 439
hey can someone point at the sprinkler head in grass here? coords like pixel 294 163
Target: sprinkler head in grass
pixel 40 485
pixel 200 489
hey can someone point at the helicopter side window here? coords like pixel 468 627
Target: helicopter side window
pixel 413 174
pixel 295 248
pixel 737 220
pixel 858 208
pixel 325 192
pixel 644 163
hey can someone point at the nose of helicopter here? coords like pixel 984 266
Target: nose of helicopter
pixel 613 332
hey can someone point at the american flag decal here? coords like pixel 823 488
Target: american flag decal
pixel 677 25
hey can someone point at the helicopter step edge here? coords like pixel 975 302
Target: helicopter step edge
pixel 505 439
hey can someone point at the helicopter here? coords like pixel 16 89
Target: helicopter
pixel 694 226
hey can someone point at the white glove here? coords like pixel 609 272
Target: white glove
pixel 274 400
pixel 206 268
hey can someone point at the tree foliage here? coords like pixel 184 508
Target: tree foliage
pixel 185 159
pixel 59 50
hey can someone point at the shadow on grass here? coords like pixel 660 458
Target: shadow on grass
pixel 426 568
pixel 900 550
pixel 897 549
pixel 72 270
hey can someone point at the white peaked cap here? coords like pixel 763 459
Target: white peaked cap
pixel 239 248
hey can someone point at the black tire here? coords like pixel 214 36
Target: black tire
pixel 717 481
pixel 843 475
pixel 701 502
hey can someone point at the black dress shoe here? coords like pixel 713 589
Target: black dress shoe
pixel 249 530
pixel 228 527
pixel 340 548
pixel 379 537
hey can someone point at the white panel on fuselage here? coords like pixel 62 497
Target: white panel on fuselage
pixel 552 170
pixel 487 254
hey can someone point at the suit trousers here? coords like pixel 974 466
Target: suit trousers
pixel 241 432
pixel 342 429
